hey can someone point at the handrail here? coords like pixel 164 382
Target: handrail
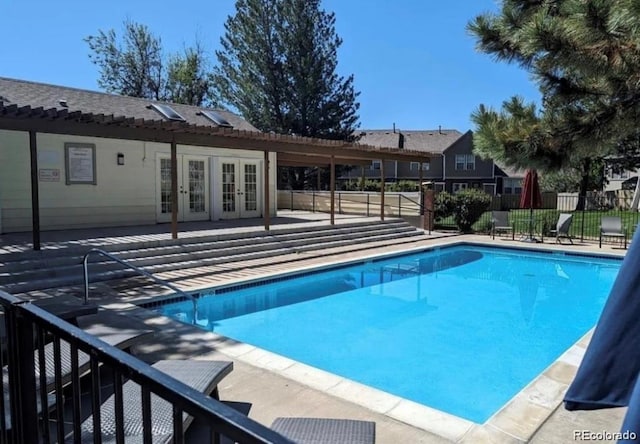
pixel 85 264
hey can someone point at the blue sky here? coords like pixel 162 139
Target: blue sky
pixel 413 61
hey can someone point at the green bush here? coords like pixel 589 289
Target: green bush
pixel 403 185
pixel 357 185
pixel 444 205
pixel 469 207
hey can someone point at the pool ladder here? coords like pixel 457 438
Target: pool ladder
pixel 85 264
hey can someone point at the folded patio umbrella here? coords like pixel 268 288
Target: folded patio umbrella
pixel 609 370
pixel 531 197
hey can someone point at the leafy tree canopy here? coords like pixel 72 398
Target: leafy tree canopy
pixel 135 65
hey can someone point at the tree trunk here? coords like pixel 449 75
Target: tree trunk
pixel 584 185
pixel 636 197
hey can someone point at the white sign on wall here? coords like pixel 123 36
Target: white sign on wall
pixel 49 175
pixel 80 162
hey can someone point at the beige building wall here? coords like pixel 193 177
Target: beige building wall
pixel 123 194
pixel 15 182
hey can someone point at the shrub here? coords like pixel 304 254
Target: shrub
pixel 469 207
pixel 403 185
pixel 444 205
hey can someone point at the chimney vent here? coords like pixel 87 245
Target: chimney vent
pixel 63 103
pixel 439 129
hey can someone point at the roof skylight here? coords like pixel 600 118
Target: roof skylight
pixel 216 118
pixel 167 112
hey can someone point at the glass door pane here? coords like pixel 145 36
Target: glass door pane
pixel 197 186
pixel 250 187
pixel 228 188
pixel 165 186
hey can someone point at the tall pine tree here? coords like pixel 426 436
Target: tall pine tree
pixel 277 67
pixel 583 55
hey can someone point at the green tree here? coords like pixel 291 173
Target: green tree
pixel 507 137
pixel 583 56
pixel 277 67
pixel 131 66
pixel 188 78
pixel 135 65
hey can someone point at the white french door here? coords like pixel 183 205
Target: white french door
pixel 240 188
pixel 193 188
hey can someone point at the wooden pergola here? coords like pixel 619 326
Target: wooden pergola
pixel 291 150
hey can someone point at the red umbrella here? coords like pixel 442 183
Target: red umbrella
pixel 531 197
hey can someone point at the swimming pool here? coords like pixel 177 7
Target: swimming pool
pixel 459 329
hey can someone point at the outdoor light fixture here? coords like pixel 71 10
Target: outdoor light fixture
pixel 120 159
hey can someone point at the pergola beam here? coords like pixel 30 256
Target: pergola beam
pixel 251 141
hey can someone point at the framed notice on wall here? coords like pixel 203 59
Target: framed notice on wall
pixel 80 163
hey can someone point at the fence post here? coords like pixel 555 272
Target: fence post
pixel 291 204
pixel 582 221
pixel 313 201
pixel 23 404
pixel 367 204
pixel 339 203
pixel 399 205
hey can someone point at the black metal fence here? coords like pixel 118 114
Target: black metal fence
pixel 587 216
pixel 33 412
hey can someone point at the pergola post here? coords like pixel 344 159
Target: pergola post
pixel 382 189
pixel 362 178
pixel 332 179
pixel 35 195
pixel 267 204
pixel 174 189
pixel 420 179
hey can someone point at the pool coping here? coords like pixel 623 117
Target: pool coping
pixel 516 421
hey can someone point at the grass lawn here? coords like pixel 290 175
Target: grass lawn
pixel 586 224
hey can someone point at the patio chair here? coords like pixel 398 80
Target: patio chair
pixel 114 329
pixel 326 430
pixel 500 223
pixel 611 226
pixel 562 227
pixel 203 376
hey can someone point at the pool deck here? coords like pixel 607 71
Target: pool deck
pixel 277 386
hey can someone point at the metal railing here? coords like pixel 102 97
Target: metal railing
pixel 34 412
pixel 350 202
pixel 584 227
pixel 85 265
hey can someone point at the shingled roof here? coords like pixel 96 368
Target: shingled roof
pixel 431 141
pixel 25 93
pixel 380 138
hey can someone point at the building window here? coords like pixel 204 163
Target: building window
pixel 415 165
pixel 616 174
pixel 459 187
pixel 489 188
pixel 512 186
pixel 465 162
pixel 375 164
pixel 438 187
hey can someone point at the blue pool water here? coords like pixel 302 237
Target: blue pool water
pixel 460 329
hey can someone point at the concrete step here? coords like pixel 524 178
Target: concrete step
pixel 210 275
pixel 59 271
pixel 33 269
pixel 54 258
